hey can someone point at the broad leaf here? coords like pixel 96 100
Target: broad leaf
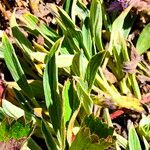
pixel 93 135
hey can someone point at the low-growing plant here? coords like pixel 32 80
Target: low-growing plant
pixel 61 76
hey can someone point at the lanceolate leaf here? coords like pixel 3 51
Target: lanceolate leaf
pixel 51 144
pixel 96 22
pixel 66 101
pixel 117 26
pixel 22 41
pixel 72 33
pixel 87 39
pixel 82 91
pixel 143 43
pixel 34 24
pixel 134 142
pixel 51 92
pixel 79 65
pixel 92 68
pixel 15 68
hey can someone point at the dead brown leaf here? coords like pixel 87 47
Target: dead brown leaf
pixel 110 76
pixel 130 66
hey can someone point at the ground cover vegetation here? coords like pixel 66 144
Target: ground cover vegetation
pixel 75 75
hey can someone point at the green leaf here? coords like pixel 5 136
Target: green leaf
pixel 117 26
pixel 84 97
pixel 144 127
pixel 146 144
pixel 25 45
pixel 31 144
pixel 15 68
pixel 62 17
pixel 72 33
pixel 134 142
pixel 93 135
pixel 92 68
pixel 34 24
pixel 46 80
pixel 21 40
pixel 22 100
pixel 79 65
pixel 97 126
pixel 96 22
pixel 50 84
pixel 87 39
pixel 80 10
pixel 143 43
pixel 66 100
pixel 51 144
pixel 67 6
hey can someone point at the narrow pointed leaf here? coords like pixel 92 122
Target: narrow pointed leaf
pixel 92 68
pixel 134 142
pixel 79 65
pixel 66 101
pixel 50 84
pixel 51 144
pixel 82 91
pixel 15 68
pixel 96 22
pixel 143 43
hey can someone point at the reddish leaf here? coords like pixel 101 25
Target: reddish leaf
pixel 117 113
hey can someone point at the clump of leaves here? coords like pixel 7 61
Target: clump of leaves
pixel 79 53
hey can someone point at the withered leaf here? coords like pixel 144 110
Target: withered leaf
pixel 130 66
pixel 141 5
pixel 110 76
